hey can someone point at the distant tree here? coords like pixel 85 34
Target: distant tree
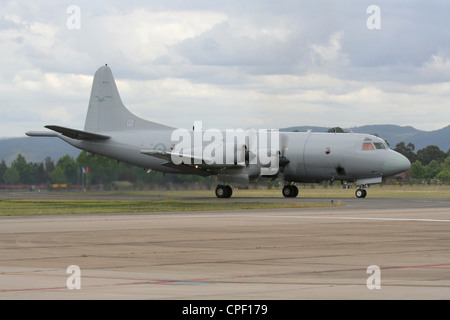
pixel 446 164
pixel 24 169
pixel 49 165
pixel 58 176
pixel 3 168
pixel 103 170
pixel 39 174
pixel 127 174
pixel 432 169
pixel 407 151
pixel 11 176
pixel 69 167
pixel 336 130
pixel 417 170
pixel 445 170
pixel 427 154
pixel 444 175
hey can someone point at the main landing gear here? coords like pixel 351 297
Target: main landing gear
pixel 361 193
pixel 290 191
pixel 223 191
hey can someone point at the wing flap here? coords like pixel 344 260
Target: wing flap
pixel 186 168
pixel 167 155
pixel 189 160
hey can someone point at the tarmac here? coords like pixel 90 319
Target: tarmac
pixel 367 249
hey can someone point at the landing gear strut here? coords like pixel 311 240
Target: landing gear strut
pixel 290 191
pixel 223 191
pixel 361 193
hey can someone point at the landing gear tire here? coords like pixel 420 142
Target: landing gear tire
pixel 290 191
pixel 223 191
pixel 361 193
pixel 229 190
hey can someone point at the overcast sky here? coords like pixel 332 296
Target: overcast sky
pixel 231 64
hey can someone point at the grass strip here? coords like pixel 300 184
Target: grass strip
pixel 9 207
pixel 428 192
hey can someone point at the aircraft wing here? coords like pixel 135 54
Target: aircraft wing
pixel 186 168
pixel 198 163
pixel 77 134
pixel 164 154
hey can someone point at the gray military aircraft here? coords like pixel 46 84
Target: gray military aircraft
pixel 235 157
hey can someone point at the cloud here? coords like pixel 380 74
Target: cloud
pixel 141 36
pixel 225 45
pixel 331 54
pixel 230 64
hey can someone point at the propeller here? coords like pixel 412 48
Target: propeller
pixel 283 161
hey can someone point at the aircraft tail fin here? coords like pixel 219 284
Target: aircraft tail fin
pixel 106 112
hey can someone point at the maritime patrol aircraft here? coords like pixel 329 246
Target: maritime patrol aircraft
pixel 236 157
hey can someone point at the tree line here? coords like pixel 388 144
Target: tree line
pixel 427 164
pixel 88 171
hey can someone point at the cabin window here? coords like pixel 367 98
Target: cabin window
pixel 379 145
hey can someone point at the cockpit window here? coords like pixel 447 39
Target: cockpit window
pixel 367 146
pixel 375 145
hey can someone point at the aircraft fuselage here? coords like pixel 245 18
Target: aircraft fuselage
pixel 312 156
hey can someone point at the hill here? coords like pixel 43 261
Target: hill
pixel 35 149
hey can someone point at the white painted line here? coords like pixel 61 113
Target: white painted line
pixel 356 218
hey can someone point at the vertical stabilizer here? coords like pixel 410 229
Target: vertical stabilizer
pixel 106 111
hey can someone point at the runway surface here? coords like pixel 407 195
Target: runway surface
pixel 321 253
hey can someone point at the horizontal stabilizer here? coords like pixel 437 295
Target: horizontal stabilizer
pixel 41 134
pixel 77 134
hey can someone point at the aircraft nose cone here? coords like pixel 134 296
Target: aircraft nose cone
pixel 395 163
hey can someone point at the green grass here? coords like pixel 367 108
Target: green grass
pixel 46 207
pixel 169 200
pixel 336 191
pixel 377 191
